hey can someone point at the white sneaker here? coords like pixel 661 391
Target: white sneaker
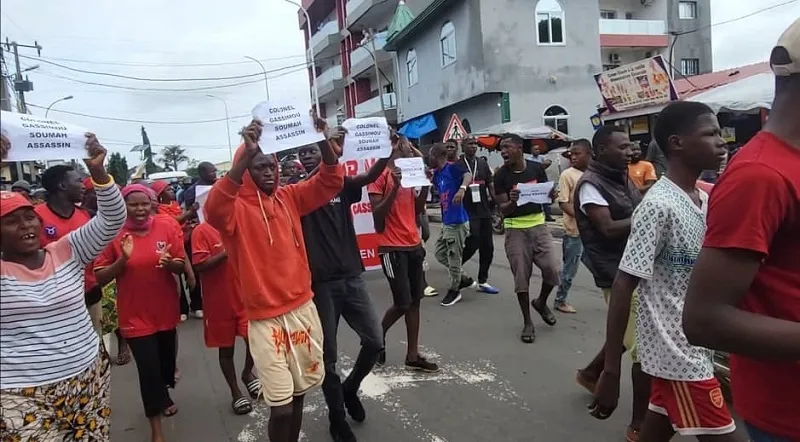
pixel 430 292
pixel 184 318
pixel 197 314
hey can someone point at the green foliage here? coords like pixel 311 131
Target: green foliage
pixel 172 157
pixel 118 168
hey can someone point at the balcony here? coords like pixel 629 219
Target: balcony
pixel 364 14
pixel 372 107
pixel 361 60
pixel 633 33
pixel 329 81
pixel 325 42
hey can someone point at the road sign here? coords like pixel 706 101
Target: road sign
pixel 455 130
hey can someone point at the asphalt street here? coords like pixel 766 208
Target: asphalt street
pixel 492 387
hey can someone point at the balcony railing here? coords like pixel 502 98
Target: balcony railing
pixel 372 106
pixel 329 75
pixel 354 5
pixel 362 57
pixel 320 38
pixel 632 27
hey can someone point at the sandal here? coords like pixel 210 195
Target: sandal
pixel 527 336
pixel 124 357
pixel 242 406
pixel 254 388
pixel 632 435
pixel 565 308
pixel 544 311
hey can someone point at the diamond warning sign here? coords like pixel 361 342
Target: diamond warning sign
pixel 455 130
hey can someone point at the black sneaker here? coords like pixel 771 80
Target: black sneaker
pixel 341 432
pixel 451 298
pixel 352 403
pixel 422 364
pixel 381 359
pixel 467 282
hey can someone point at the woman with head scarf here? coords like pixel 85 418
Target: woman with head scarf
pixel 54 372
pixel 143 259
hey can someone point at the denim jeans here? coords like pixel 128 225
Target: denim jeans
pixel 757 435
pixel 346 298
pixel 572 249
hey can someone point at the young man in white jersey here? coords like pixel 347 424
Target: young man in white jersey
pixel 667 232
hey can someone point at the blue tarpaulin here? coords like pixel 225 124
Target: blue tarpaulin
pixel 419 126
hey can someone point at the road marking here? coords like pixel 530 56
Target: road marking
pixel 382 385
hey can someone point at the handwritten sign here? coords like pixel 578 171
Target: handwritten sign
pixel 287 124
pixel 366 138
pixel 538 193
pixel 32 138
pixel 413 170
pixel 200 197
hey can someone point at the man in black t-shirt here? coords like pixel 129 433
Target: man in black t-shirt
pixel 334 259
pixel 528 239
pixel 478 202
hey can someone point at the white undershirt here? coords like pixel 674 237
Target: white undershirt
pixel 589 194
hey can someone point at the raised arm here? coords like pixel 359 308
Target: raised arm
pixel 90 239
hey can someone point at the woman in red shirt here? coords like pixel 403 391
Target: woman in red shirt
pixel 143 259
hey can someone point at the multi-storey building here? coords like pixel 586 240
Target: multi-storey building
pixel 493 61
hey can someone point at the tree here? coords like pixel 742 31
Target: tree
pixel 118 168
pixel 172 156
pixel 191 168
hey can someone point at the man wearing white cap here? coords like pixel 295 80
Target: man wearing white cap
pixel 744 295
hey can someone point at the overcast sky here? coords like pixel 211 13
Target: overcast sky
pixel 158 39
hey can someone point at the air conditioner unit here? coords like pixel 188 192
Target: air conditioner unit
pixel 613 58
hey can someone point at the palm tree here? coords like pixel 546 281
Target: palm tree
pixel 172 156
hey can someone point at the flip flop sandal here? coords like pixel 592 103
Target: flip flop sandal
pixel 528 337
pixel 254 388
pixel 124 358
pixel 565 308
pixel 242 406
pixel 547 316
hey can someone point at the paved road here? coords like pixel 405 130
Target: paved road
pixel 491 387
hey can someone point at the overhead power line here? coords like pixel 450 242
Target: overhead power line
pixel 129 77
pixel 126 120
pixel 134 64
pixel 737 18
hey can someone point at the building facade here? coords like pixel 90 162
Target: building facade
pixel 493 61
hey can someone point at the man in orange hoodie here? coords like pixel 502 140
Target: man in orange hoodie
pixel 259 222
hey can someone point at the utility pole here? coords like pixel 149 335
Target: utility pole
pixel 21 86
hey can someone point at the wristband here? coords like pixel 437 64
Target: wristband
pixel 103 186
pixel 464 188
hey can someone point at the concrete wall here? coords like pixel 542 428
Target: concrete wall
pixel 439 87
pixel 540 76
pixel 694 45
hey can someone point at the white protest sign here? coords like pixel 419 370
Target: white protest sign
pixel 32 138
pixel 366 138
pixel 287 124
pixel 534 193
pixel 200 196
pixel 413 170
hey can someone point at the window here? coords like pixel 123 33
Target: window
pixel 690 66
pixel 687 10
pixel 609 15
pixel 550 22
pixel 557 118
pixel 447 44
pixel 411 67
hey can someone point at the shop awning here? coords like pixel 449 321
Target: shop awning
pixel 524 129
pixel 419 126
pixel 746 95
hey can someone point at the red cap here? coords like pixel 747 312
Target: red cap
pixel 11 201
pixel 159 186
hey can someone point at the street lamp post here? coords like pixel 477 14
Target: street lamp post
pixel 266 80
pixel 68 97
pixel 311 52
pixel 227 125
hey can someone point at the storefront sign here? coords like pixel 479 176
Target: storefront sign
pixel 640 84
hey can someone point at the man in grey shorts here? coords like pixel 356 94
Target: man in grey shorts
pixel 528 239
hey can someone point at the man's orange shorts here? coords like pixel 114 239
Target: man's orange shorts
pixel 222 333
pixel 695 408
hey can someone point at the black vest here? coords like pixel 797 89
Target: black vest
pixel 601 254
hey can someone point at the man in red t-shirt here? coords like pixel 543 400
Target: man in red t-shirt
pixel 394 210
pixel 60 215
pixel 225 317
pixel 744 295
